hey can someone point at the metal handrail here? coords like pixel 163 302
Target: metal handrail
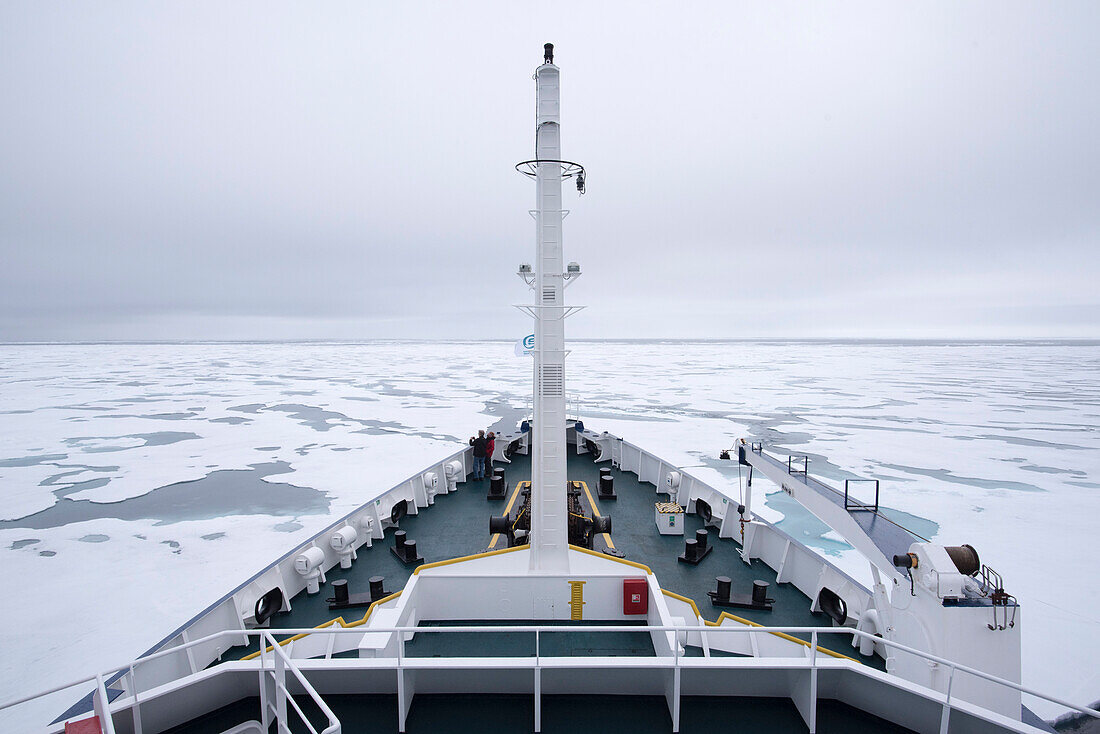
pixel 101 704
pixel 580 661
pixel 98 678
pixel 333 722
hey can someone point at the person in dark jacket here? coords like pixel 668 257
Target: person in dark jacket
pixel 480 444
pixel 490 446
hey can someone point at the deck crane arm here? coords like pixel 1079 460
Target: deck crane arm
pixel 874 535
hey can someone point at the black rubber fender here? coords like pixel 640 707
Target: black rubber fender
pixel 702 509
pixel 831 603
pixel 268 605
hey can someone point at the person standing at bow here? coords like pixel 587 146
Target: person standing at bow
pixel 480 443
pixel 490 446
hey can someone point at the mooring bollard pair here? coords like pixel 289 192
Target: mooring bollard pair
pixel 695 549
pixel 341 599
pixel 757 600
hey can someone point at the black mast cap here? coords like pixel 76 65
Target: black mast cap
pixel 548 53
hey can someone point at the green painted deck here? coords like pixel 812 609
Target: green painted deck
pixel 458 525
pixel 565 643
pixel 514 714
pixel 635 533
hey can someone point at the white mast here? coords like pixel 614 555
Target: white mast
pixel 549 537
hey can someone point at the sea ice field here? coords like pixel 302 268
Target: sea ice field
pixel 140 482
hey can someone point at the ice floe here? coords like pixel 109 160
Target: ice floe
pixel 147 480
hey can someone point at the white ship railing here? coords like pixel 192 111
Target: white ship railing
pixel 275 710
pixel 273 663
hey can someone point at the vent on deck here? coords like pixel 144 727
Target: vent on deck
pixel 551 380
pixel 548 294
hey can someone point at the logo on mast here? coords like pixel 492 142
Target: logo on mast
pixel 525 347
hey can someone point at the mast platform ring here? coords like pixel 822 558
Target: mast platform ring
pixel 569 169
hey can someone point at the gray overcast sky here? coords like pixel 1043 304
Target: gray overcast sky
pixel 270 170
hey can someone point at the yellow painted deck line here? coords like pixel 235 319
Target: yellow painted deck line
pixel 508 509
pixel 750 623
pixel 339 620
pixel 383 600
pixel 691 602
pixel 635 564
pixel 596 512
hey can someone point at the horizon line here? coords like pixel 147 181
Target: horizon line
pixel 1081 341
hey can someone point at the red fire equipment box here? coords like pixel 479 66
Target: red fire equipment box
pixel 635 596
pixel 84 726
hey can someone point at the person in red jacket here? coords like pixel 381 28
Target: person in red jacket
pixel 490 444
